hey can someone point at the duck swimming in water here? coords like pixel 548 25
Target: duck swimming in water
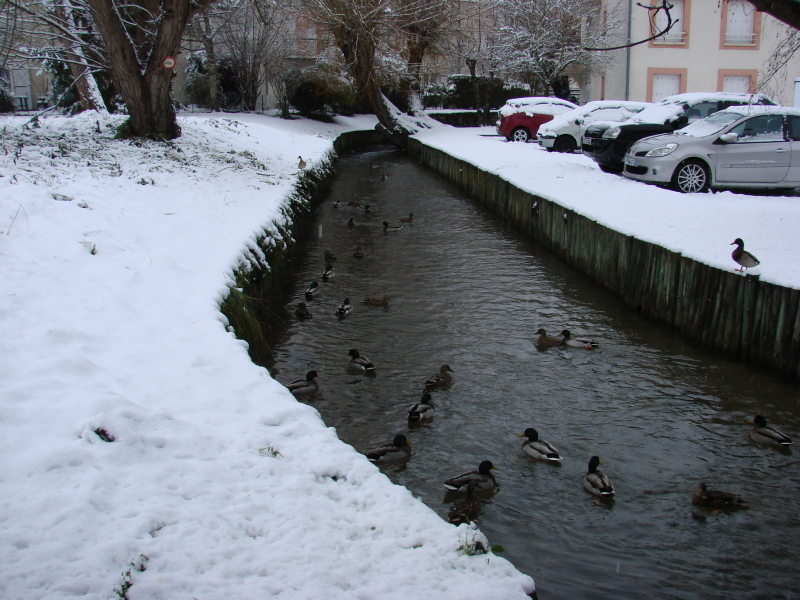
pixel 465 510
pixel 358 253
pixel 579 342
pixel 422 410
pixel 596 482
pixel 539 449
pixel 376 301
pixel 716 499
pixel 398 449
pixel 344 308
pixel 483 478
pixel 312 291
pixel 303 312
pixel 742 257
pixel 387 228
pixel 360 363
pixel 547 341
pixel 763 434
pixel 408 219
pixel 329 256
pixel 300 387
pixel 440 379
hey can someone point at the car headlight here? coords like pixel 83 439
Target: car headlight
pixel 662 150
pixel 611 133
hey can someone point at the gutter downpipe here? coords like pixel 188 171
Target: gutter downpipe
pixel 628 53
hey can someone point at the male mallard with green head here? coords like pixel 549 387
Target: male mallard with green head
pixel 483 478
pixel 327 273
pixel 300 387
pixel 344 308
pixel 422 410
pixel 387 228
pixel 596 482
pixel 358 362
pixel 539 449
pixel 763 434
pixel 312 291
pixel 398 449
pixel 579 342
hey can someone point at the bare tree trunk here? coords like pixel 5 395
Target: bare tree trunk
pixel 211 64
pixel 476 89
pixel 89 97
pixel 147 91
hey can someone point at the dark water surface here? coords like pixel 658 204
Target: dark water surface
pixel 662 414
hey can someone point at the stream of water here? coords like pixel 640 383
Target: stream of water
pixel 662 413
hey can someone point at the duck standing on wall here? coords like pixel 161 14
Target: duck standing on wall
pixel 312 291
pixel 301 387
pixel 303 312
pixel 716 499
pixel 548 341
pixel 596 482
pixel 539 449
pixel 440 379
pixel 483 478
pixel 579 342
pixel 302 164
pixel 763 434
pixel 742 257
pixel 358 362
pixel 344 308
pixel 398 449
pixel 422 410
pixel 327 273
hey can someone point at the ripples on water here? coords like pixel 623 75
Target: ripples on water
pixel 662 414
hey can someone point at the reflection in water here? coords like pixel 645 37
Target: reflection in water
pixel 663 415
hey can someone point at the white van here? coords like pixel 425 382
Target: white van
pixel 563 133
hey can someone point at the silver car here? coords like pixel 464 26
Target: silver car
pixel 741 146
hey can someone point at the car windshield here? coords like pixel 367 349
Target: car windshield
pixel 710 125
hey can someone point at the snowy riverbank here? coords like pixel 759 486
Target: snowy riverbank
pixel 700 226
pixel 115 257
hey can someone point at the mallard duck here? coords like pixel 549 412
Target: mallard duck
pixel 358 253
pixel 344 308
pixel 312 290
pixel 387 228
pixel 580 342
pixel 354 202
pixel 483 478
pixel 440 379
pixel 398 449
pixel 596 482
pixel 327 273
pixel 302 311
pixel 329 256
pixel 300 387
pixel 422 410
pixel 361 363
pixel 465 510
pixel 302 164
pixel 762 434
pixel 336 204
pixel 546 341
pixel 351 222
pixel 539 449
pixel 367 208
pixel 716 499
pixel 376 301
pixel 408 219
pixel 742 257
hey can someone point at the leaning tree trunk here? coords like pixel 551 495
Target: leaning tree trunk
pixel 146 88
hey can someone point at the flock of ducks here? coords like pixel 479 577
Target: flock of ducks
pixel 466 509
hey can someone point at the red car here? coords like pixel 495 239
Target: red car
pixel 520 118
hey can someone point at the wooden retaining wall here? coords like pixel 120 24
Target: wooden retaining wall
pixel 740 315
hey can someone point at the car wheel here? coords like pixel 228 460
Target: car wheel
pixel 520 134
pixel 691 177
pixel 565 143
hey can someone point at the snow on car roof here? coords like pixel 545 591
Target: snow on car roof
pixel 626 110
pixel 544 105
pixel 672 106
pixel 760 109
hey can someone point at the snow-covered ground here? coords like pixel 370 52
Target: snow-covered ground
pixel 115 256
pixel 699 226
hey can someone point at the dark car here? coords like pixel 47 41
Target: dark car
pixel 606 143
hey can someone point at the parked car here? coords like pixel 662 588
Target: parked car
pixel 563 133
pixel 607 143
pixel 741 146
pixel 520 118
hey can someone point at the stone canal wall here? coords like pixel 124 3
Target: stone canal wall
pixel 746 318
